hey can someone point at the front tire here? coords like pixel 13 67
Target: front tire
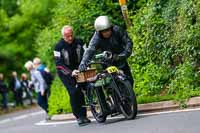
pixel 127 102
pixel 96 107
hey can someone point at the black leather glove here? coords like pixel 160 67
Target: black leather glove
pixel 82 67
pixel 122 56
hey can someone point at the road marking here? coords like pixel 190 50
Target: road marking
pixel 4 121
pixel 167 112
pixel 46 123
pixel 43 123
pixel 20 117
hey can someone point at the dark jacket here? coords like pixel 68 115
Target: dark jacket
pixel 3 87
pixel 12 84
pixel 118 43
pixel 25 84
pixel 68 56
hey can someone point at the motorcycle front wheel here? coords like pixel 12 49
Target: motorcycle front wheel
pixel 127 99
pixel 96 106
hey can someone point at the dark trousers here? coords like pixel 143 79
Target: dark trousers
pixel 29 96
pixel 4 100
pixel 18 96
pixel 48 90
pixel 42 101
pixel 127 72
pixel 76 95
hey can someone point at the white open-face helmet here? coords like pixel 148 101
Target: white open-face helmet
pixel 102 23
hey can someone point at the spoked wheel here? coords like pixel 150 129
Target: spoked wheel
pixel 127 103
pixel 96 107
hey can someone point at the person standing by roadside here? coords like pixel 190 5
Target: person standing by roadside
pixel 15 86
pixel 40 87
pixel 26 87
pixel 68 54
pixel 38 65
pixel 3 92
pixel 46 74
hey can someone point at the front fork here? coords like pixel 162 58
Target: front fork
pixel 119 97
pixel 101 97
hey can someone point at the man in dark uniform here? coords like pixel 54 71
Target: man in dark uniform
pixel 68 54
pixel 111 38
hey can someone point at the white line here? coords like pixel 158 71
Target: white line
pixel 46 123
pixel 167 112
pixel 36 113
pixel 21 117
pixel 74 121
pixel 5 121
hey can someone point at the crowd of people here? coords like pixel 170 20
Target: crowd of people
pixel 21 88
pixel 24 87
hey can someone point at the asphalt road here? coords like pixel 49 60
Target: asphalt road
pixel 186 121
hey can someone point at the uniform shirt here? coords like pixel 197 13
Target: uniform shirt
pixel 68 56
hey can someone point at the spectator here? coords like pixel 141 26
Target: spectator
pixel 3 92
pixel 27 90
pixel 40 87
pixel 68 53
pixel 38 65
pixel 46 74
pixel 15 86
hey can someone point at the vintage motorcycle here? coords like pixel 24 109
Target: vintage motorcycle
pixel 108 90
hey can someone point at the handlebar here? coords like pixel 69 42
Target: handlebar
pixel 106 55
pixel 104 58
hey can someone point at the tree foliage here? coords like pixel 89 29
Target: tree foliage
pixel 167 47
pixel 19 27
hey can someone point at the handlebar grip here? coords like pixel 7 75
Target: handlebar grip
pixel 104 55
pixel 99 56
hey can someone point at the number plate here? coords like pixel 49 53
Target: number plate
pixel 112 69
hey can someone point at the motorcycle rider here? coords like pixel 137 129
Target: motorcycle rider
pixel 113 38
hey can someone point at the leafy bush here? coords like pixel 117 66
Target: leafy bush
pixel 59 99
pixel 151 79
pixel 184 82
pixel 166 46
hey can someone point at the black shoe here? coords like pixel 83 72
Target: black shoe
pixel 83 121
pixel 48 117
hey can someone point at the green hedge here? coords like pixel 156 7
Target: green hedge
pixel 59 99
pixel 167 48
